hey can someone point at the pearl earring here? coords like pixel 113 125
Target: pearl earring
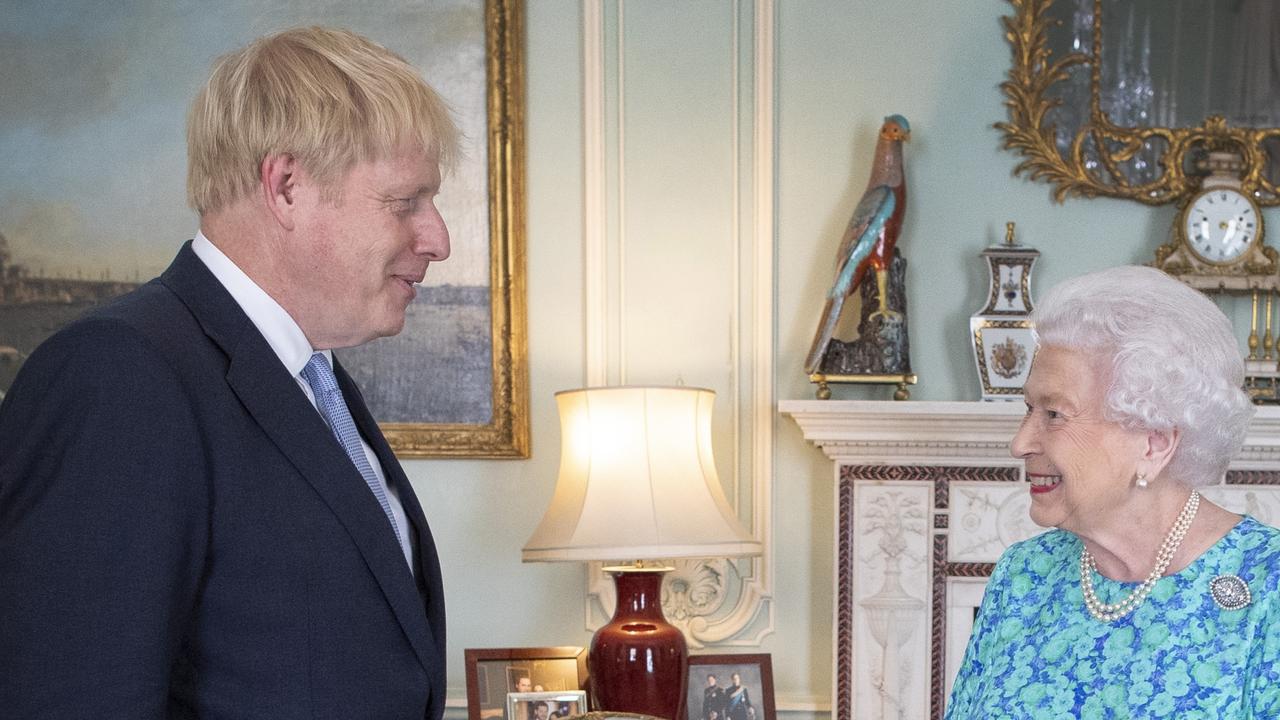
pixel 1142 480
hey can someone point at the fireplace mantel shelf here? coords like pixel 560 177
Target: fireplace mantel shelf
pixel 870 431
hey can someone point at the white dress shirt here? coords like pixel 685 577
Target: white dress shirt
pixel 294 350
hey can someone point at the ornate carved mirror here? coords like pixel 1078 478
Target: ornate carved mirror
pixel 1126 98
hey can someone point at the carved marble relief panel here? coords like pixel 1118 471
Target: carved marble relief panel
pixel 1260 502
pixel 895 570
pixel 986 518
pixel 890 594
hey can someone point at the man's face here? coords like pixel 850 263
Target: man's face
pixel 711 681
pixel 523 685
pixel 541 712
pixel 362 251
pixel 736 679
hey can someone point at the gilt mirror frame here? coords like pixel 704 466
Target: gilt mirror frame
pixel 1094 164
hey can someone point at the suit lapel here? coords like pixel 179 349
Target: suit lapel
pixel 427 560
pixel 372 434
pixel 278 405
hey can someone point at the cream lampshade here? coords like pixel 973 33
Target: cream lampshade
pixel 637 481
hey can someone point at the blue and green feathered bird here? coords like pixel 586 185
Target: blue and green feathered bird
pixel 870 237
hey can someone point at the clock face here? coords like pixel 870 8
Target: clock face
pixel 1220 225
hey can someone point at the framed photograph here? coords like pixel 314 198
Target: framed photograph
pixel 730 687
pixel 94 203
pixel 494 673
pixel 545 705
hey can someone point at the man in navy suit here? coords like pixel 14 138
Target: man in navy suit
pixel 199 518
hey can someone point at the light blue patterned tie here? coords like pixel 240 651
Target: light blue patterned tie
pixel 334 409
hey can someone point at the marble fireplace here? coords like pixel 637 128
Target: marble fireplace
pixel 926 498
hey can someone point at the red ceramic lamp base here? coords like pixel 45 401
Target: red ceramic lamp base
pixel 639 662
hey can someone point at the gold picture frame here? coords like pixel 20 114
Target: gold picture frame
pixel 98 207
pixel 506 435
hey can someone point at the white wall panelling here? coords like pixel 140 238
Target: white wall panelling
pixel 678 259
pixel 831 95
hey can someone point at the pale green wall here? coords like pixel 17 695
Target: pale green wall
pixel 842 65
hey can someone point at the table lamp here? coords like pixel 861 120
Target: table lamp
pixel 637 482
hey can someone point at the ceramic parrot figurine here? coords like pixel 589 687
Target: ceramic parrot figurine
pixel 870 237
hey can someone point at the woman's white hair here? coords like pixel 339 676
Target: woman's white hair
pixel 1173 359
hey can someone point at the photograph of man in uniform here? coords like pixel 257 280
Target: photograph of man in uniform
pixel 712 700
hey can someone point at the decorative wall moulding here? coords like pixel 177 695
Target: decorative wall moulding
pixel 716 602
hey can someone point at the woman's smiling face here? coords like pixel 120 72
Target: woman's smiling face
pixel 1080 465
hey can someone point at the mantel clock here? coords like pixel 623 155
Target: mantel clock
pixel 1218 247
pixel 1218 237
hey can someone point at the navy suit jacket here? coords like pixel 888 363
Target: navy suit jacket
pixel 181 536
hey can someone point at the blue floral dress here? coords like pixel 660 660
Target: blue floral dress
pixel 1036 652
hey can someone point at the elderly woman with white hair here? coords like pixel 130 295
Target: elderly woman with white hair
pixel 1147 600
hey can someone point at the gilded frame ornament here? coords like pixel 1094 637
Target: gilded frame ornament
pixel 1029 133
pixel 506 435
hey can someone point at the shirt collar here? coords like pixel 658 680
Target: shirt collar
pixel 273 321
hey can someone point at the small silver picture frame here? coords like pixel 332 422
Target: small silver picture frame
pixel 546 705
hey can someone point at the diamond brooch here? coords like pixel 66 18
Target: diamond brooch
pixel 1230 592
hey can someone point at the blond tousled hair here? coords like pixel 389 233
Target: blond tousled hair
pixel 329 97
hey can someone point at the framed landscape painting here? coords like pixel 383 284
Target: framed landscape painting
pixel 92 200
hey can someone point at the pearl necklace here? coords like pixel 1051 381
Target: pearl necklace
pixel 1114 611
